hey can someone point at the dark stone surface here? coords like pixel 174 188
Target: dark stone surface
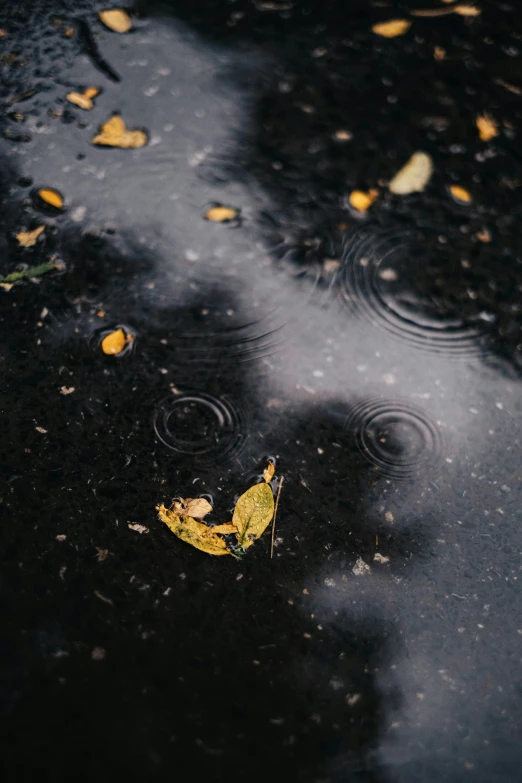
pixel 376 357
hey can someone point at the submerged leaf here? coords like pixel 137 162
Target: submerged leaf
pixel 253 513
pixel 51 197
pixel 192 507
pixel 28 238
pixel 115 342
pixel 414 175
pixel 116 20
pixel 221 214
pixel 392 29
pixel 268 473
pixel 115 134
pixel 487 127
pixel 194 533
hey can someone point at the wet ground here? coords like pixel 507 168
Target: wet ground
pixel 374 356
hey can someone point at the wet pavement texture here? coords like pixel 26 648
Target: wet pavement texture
pixel 374 356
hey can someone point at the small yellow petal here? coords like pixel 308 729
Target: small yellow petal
pixel 116 20
pixel 392 29
pixel 51 197
pixel 221 214
pixel 91 92
pixel 28 238
pixel 487 127
pixel 460 194
pixel 115 342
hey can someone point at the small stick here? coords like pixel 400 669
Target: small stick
pixel 274 519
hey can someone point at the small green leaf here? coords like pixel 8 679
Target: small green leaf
pixel 253 513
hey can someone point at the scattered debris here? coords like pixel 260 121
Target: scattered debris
pixel 137 528
pixel 275 516
pixel 102 554
pixel 487 127
pixel 361 200
pixel 392 29
pixel 414 175
pixel 114 343
pixel 41 429
pixel 439 53
pixel 103 598
pixel 221 214
pixel 65 390
pixel 28 238
pixel 51 197
pixel 381 558
pixel 113 133
pixel 268 473
pixel 98 654
pixel 83 99
pixel 360 567
pixel 461 195
pixel 484 235
pixel 343 135
pixel 34 271
pixel 116 20
pixel 511 87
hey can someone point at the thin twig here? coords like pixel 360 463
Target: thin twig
pixel 274 519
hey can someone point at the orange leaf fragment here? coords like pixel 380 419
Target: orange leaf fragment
pixel 361 200
pixel 487 127
pixel 392 29
pixel 115 342
pixel 116 20
pixel 460 194
pixel 28 238
pixel 83 101
pixel 91 92
pixel 221 214
pixel 115 134
pixel 51 197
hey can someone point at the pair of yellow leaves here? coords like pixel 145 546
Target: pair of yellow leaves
pixel 253 513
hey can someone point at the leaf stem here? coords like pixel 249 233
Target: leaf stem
pixel 274 519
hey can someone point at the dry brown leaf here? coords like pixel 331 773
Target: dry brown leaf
pixel 192 507
pixel 393 28
pixel 114 134
pixel 362 200
pixel 80 100
pixel 28 238
pixel 253 513
pixel 194 533
pixel 414 175
pixel 51 197
pixel 116 19
pixel 221 214
pixel 460 194
pixel 268 473
pixel 115 342
pixel 487 127
pixel 467 10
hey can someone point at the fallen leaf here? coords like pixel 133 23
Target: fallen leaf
pixel 194 533
pixel 414 175
pixel 460 194
pixel 192 507
pixel 114 134
pixel 268 473
pixel 467 10
pixel 67 390
pixel 91 92
pixel 253 513
pixel 360 567
pixel 116 19
pixel 221 214
pixel 137 528
pixel 361 200
pixel 115 342
pixel 34 271
pixel 28 238
pixel 6 286
pixel 81 100
pixel 51 197
pixel 392 29
pixel 487 127
pixel 439 53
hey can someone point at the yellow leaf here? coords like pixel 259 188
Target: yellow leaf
pixel 253 513
pixel 51 197
pixel 194 533
pixel 268 473
pixel 487 127
pixel 361 200
pixel 192 507
pixel 392 29
pixel 114 134
pixel 116 20
pixel 80 100
pixel 414 175
pixel 467 10
pixel 28 238
pixel 115 342
pixel 460 194
pixel 221 214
